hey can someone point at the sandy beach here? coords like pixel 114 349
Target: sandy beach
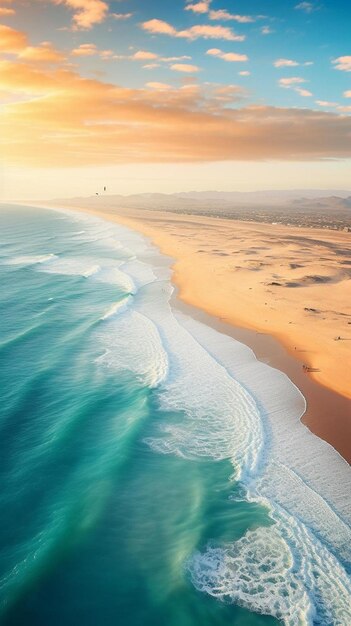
pixel 284 291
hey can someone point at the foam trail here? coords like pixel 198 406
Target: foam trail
pixel 94 269
pixel 29 260
pixel 281 570
pixel 103 270
pixel 296 469
pixel 222 418
pixel 132 343
pixel 117 307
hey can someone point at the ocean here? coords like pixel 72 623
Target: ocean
pixel 153 471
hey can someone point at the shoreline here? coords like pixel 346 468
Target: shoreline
pixel 328 413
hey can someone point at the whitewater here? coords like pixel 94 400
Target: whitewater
pixel 208 403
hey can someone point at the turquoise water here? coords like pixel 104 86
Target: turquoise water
pixel 147 473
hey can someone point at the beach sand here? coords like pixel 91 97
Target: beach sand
pixel 284 291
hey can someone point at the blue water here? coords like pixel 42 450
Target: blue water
pixel 152 471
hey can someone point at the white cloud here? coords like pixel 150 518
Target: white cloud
pixel 223 14
pixel 266 30
pixel 122 16
pixel 307 7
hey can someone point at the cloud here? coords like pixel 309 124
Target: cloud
pixel 204 31
pixel 343 63
pixel 303 92
pixel 290 82
pixel 183 67
pixel 266 30
pixel 90 49
pixel 45 53
pixel 285 63
pixel 184 57
pixel 325 103
pixel 151 66
pixel 86 13
pixel 122 16
pixel 347 94
pixel 244 73
pixel 293 83
pixel 199 7
pixel 144 55
pixel 4 12
pixel 220 14
pixel 290 63
pixel 92 122
pixel 160 86
pixel 224 15
pixel 307 7
pixel 232 57
pixel 159 27
pixel 11 40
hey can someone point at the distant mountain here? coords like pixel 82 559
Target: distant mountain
pixel 262 197
pixel 330 202
pixel 219 201
pixel 308 208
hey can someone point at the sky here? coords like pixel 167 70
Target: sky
pixel 165 96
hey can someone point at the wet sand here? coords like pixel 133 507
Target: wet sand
pixel 223 270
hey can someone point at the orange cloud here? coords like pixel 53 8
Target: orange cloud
pixel 285 63
pixel 287 83
pixel 90 49
pixel 303 92
pixel 144 55
pixel 77 121
pixel 6 12
pixel 204 31
pixel 198 7
pixel 160 86
pixel 44 53
pixel 184 67
pixel 86 13
pixel 12 40
pixel 159 27
pixel 343 63
pixel 232 57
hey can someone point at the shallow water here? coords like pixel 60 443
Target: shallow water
pixel 152 471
